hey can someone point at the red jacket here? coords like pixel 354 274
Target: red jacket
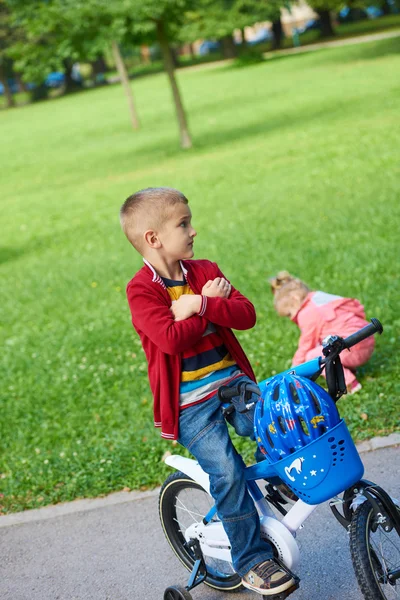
pixel 164 340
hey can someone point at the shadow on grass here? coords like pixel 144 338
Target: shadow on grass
pixel 43 243
pixel 284 121
pixel 8 254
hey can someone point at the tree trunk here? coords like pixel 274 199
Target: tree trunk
pixel 99 69
pixel 186 141
pixel 71 85
pixel 145 55
pixel 175 55
pixel 243 34
pixel 228 46
pixel 10 102
pixel 122 72
pixel 326 23
pixel 99 65
pixel 39 93
pixel 21 83
pixel 277 31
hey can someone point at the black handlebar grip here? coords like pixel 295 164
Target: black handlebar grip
pixel 360 335
pixel 227 393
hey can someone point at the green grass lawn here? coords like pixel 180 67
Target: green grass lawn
pixel 295 166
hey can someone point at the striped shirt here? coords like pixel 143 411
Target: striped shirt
pixel 208 364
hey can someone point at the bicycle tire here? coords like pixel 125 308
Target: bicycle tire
pixel 177 592
pixel 177 489
pixel 374 552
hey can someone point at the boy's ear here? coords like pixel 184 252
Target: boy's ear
pixel 151 238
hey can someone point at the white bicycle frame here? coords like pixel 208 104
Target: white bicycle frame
pixel 281 533
pixel 212 537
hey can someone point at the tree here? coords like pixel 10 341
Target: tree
pixel 159 20
pixel 7 34
pixel 324 9
pixel 62 32
pixel 217 19
pixel 119 63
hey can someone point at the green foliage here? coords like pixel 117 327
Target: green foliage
pixel 64 30
pixel 333 5
pixel 216 19
pixel 336 5
pixel 10 32
pixel 296 166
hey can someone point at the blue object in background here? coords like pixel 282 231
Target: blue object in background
pixel 13 85
pixel 344 12
pixel 348 15
pixel 55 79
pixel 309 25
pixel 208 46
pixel 374 12
pixel 262 35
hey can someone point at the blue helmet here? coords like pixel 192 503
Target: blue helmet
pixel 292 412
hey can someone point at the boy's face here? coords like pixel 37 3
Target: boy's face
pixel 177 234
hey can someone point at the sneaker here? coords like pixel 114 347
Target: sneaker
pixel 354 387
pixel 267 578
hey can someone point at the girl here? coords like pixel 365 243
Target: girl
pixel 318 315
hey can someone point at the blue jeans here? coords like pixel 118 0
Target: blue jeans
pixel 204 432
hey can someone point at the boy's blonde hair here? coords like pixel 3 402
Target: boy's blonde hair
pixel 289 293
pixel 147 209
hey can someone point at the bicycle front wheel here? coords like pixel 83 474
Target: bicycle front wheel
pixel 376 556
pixel 183 502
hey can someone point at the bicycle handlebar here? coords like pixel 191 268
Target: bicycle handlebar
pixel 374 327
pixel 334 346
pixel 227 393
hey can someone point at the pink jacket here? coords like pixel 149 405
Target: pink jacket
pixel 322 314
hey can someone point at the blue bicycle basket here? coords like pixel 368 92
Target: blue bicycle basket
pixel 299 430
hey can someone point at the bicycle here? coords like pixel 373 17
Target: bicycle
pixel 192 528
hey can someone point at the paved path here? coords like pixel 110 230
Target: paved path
pixel 116 550
pixel 361 39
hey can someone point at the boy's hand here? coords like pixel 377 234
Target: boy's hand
pixel 218 288
pixel 186 306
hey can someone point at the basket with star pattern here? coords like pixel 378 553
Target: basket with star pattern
pixel 324 468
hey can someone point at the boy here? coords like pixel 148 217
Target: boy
pixel 183 311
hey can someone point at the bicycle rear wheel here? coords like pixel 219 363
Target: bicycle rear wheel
pixel 183 502
pixel 375 554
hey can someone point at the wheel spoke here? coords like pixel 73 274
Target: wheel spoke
pixel 183 504
pixel 386 547
pixel 376 556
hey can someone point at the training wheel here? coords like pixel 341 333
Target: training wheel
pixel 177 592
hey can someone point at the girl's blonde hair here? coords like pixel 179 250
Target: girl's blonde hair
pixel 289 293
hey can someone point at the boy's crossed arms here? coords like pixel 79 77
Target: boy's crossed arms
pixel 188 304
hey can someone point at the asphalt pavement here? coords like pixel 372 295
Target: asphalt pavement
pixel 115 550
